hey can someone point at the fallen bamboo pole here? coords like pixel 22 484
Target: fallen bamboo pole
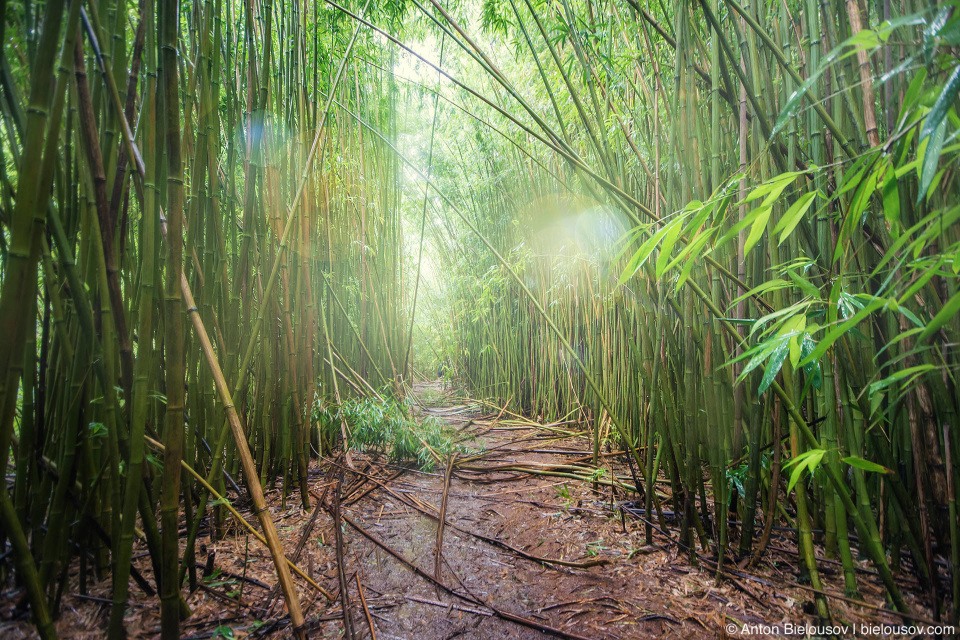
pixel 443 514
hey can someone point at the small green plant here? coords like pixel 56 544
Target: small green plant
pixel 97 430
pixel 594 548
pixel 736 479
pixel 385 427
pixel 563 492
pixel 223 631
pixel 597 474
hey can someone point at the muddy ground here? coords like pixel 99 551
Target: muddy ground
pixel 501 523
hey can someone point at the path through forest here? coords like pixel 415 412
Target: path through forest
pixel 599 580
pixel 490 511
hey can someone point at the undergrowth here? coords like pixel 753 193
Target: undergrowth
pixel 384 426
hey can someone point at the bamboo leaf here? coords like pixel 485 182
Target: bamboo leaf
pixel 812 369
pixel 764 287
pixel 628 239
pixel 795 350
pixel 947 218
pixel 865 39
pixel 948 312
pixel 854 175
pixel 685 274
pixel 786 311
pixel 794 215
pixel 912 93
pixel 943 103
pixel 866 465
pixel 928 273
pixel 690 250
pixel 796 98
pixel 931 158
pixel 804 284
pixel 808 460
pixel 855 212
pixel 759 355
pixel 760 216
pixel 795 477
pixel 773 366
pixel 839 331
pixel 641 255
pixel 667 247
pixel 899 375
pixel 772 189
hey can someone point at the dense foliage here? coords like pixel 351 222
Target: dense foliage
pixel 781 183
pixel 384 426
pixel 722 236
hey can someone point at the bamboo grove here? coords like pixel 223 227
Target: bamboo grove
pixel 725 241
pixel 129 125
pixel 721 236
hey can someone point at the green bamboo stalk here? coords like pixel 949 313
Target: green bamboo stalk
pixel 142 367
pixel 173 327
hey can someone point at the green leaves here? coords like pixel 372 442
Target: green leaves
pixel 866 465
pixel 808 460
pixel 909 372
pixel 96 430
pixel 927 230
pixel 223 631
pixel 865 39
pixel 932 145
pixel 759 216
pixel 933 132
pixel 687 230
pixel 770 191
pixel 383 426
pixel 640 257
pixel 796 98
pixel 763 287
pixel 774 350
pixel 943 103
pixel 949 311
pixel 864 183
pixel 773 365
pixel 843 328
pixel 803 284
pixel 793 215
pixel 669 240
pixel 494 18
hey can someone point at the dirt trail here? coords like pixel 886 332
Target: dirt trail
pixel 499 521
pixel 543 516
pixel 637 591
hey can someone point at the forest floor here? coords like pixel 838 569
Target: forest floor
pixel 501 522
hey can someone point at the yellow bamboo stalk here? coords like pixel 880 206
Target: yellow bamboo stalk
pixel 236 514
pixel 272 540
